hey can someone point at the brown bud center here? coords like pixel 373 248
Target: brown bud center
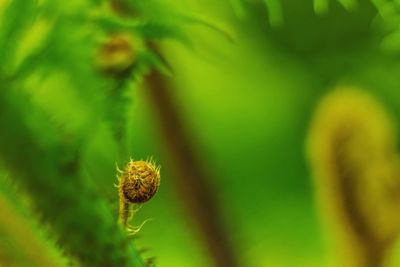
pixel 139 181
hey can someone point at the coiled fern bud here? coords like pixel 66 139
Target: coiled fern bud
pixel 138 183
pixel 352 152
pixel 116 55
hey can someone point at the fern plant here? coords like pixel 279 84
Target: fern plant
pixel 387 10
pixel 59 56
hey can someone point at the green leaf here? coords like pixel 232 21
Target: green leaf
pixel 238 8
pixel 275 12
pixel 349 5
pixel 18 14
pixel 321 6
pixel 145 28
pixel 205 22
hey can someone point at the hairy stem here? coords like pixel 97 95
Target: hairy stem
pixel 48 168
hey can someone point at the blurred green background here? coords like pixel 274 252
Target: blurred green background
pixel 248 105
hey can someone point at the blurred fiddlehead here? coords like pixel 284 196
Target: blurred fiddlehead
pixel 352 151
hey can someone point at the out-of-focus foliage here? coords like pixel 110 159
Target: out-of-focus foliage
pixel 247 76
pixel 22 241
pixel 269 82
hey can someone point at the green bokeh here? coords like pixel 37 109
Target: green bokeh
pixel 248 105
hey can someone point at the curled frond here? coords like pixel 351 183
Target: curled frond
pixel 352 152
